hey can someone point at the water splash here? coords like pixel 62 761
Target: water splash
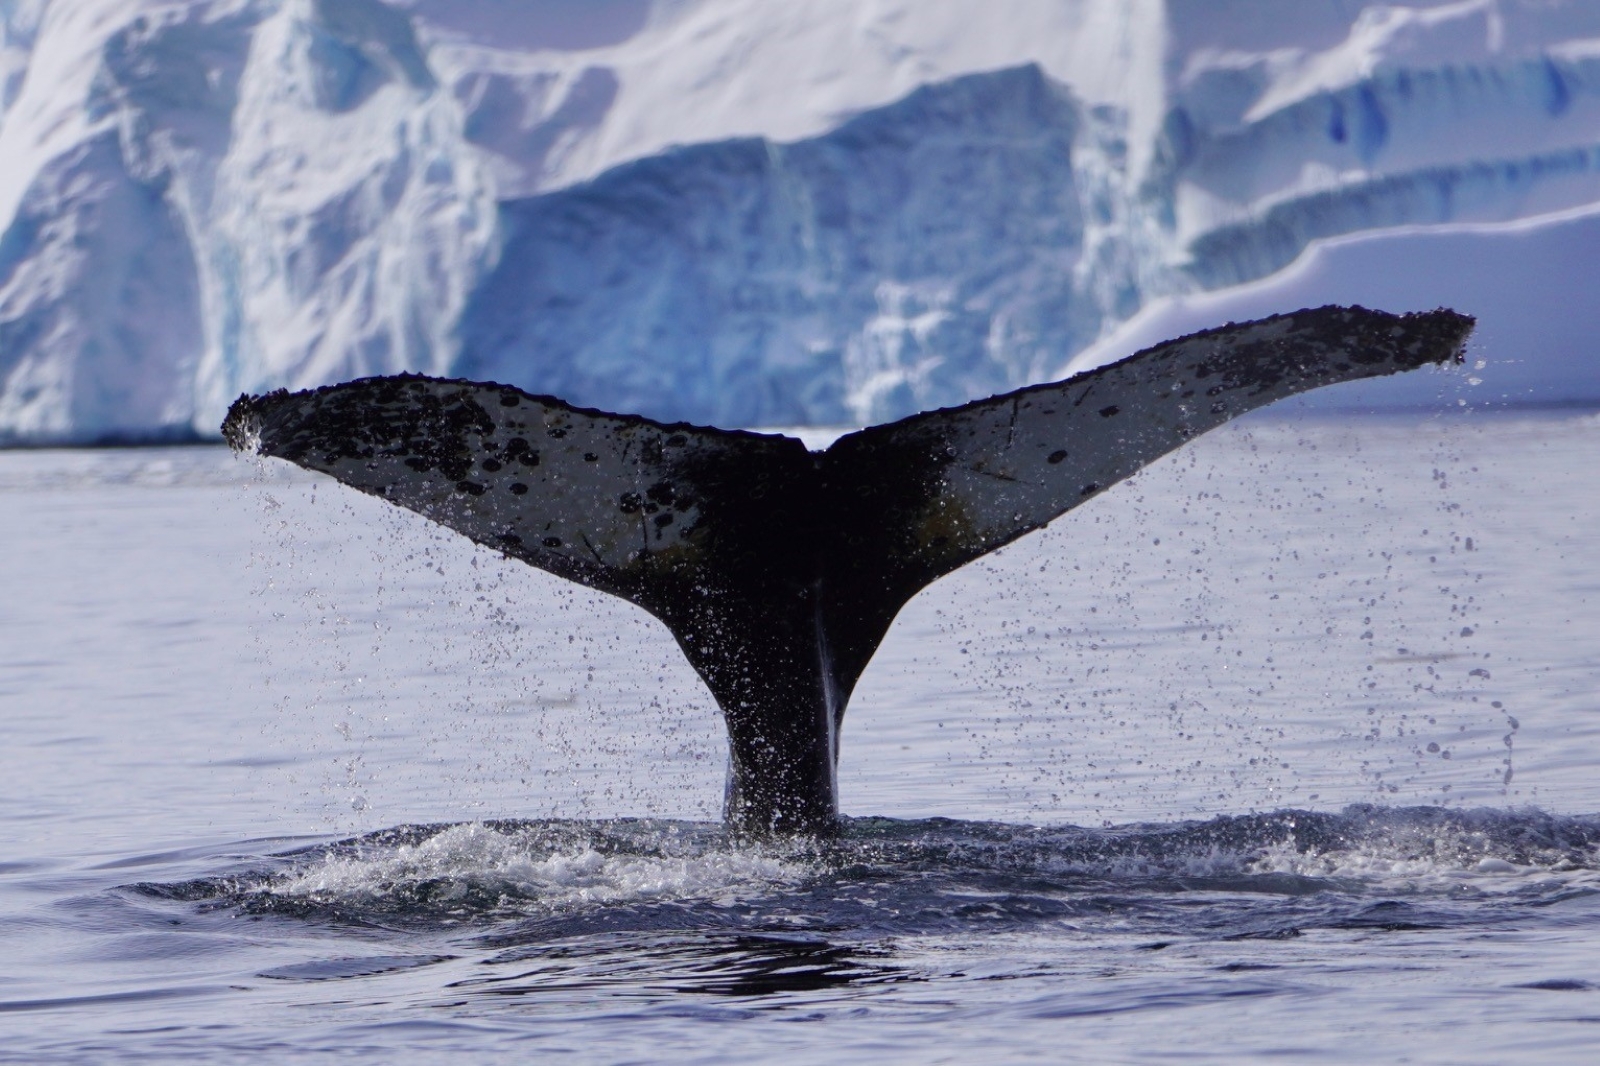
pixel 560 878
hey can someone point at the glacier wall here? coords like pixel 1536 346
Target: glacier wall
pixel 725 210
pixel 949 245
pixel 1402 147
pixel 222 197
pixel 976 235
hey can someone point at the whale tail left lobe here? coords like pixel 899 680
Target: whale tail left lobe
pixel 780 570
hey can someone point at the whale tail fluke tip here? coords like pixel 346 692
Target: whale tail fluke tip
pixel 241 429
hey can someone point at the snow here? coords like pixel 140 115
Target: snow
pixel 632 202
pixel 699 72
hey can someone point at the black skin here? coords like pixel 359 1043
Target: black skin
pixel 780 570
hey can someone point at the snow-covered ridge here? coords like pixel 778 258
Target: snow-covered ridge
pixel 883 205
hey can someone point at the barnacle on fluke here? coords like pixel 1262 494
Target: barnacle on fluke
pixel 779 570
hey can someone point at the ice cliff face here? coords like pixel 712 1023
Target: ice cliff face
pixel 837 279
pixel 219 197
pixel 722 210
pixel 1401 147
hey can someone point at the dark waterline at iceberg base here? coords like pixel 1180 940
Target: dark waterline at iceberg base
pixel 460 882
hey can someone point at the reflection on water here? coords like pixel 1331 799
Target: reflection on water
pixel 339 969
pixel 740 965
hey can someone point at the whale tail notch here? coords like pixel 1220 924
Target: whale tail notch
pixel 777 569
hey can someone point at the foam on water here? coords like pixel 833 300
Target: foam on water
pixel 550 867
pixel 1486 852
pixel 903 877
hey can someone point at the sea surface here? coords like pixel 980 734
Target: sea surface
pixel 1284 750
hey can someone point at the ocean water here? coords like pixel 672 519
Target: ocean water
pixel 1282 750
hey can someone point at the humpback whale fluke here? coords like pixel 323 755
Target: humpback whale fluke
pixel 778 569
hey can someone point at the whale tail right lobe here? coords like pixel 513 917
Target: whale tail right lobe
pixel 780 570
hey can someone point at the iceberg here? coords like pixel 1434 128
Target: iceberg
pixel 741 213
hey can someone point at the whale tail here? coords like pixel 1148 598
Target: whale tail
pixel 779 570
